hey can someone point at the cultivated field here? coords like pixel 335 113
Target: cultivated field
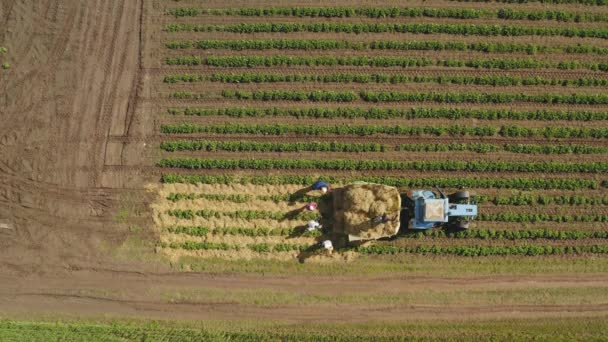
pixel 156 155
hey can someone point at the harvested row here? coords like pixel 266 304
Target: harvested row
pixel 318 44
pixel 403 62
pixel 243 214
pixel 474 166
pixel 452 130
pixel 452 182
pixel 394 12
pixel 417 28
pixel 261 231
pixel 383 78
pixel 410 113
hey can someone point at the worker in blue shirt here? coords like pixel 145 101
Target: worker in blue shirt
pixel 320 185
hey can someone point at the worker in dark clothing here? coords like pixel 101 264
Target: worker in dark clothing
pixel 320 185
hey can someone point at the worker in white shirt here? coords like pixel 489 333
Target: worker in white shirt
pixel 313 225
pixel 328 246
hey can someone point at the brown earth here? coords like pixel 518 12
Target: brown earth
pixel 73 193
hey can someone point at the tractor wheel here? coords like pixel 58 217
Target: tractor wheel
pixel 460 196
pixel 461 225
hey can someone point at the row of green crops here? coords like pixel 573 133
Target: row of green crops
pixel 452 130
pixel 327 44
pixel 548 2
pixel 260 247
pixel 254 146
pixel 238 231
pixel 416 28
pixel 451 182
pixel 511 234
pixel 382 61
pixel 530 250
pixel 532 218
pixel 248 146
pixel 529 200
pixel 397 113
pixel 243 214
pixel 359 165
pixel 394 12
pixel 481 234
pixel 385 78
pixel 393 96
pixel 240 198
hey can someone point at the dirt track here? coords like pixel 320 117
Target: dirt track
pixel 79 72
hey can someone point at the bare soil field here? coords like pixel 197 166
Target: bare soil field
pixel 89 230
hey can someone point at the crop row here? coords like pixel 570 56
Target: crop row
pixel 254 146
pixel 385 78
pixel 240 198
pixel 513 148
pixel 548 2
pixel 260 247
pixel 392 96
pixel 530 250
pixel 416 28
pixel 528 200
pixel 327 44
pixel 451 182
pixel 243 214
pixel 400 113
pixel 237 231
pixel 531 218
pixel 363 130
pixel 359 165
pixel 394 12
pixel 248 146
pixel 490 234
pixel 385 62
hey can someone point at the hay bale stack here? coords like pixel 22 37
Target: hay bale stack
pixel 361 203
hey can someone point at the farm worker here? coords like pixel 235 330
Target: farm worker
pixel 328 246
pixel 312 225
pixel 381 218
pixel 311 206
pixel 320 185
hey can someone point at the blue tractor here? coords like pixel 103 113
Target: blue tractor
pixel 425 210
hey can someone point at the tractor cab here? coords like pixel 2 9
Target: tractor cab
pixel 427 210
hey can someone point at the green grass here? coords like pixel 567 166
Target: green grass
pixel 543 329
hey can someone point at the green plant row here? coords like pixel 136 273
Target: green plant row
pixel 403 62
pixel 253 146
pixel 529 234
pixel 450 182
pixel 243 214
pixel 397 113
pixel 326 44
pixel 391 96
pixel 513 148
pixel 529 200
pixel 385 78
pixel 518 217
pixel 530 250
pixel 452 130
pixel 563 16
pixel 338 12
pixel 240 198
pixel 235 231
pixel 548 2
pixel 416 28
pixel 394 12
pixel 360 165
